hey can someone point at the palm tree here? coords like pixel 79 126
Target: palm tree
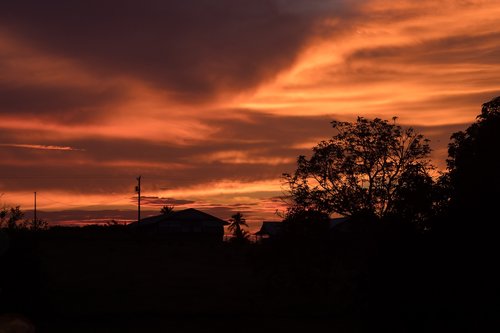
pixel 166 210
pixel 236 224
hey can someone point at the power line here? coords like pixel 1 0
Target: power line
pixel 65 177
pixel 157 178
pixel 74 204
pixel 43 197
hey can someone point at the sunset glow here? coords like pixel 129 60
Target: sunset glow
pixel 212 102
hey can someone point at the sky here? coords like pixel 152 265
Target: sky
pixel 211 101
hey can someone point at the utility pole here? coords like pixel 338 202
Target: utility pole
pixel 34 211
pixel 138 190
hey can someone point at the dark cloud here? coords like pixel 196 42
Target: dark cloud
pixel 282 129
pixel 159 201
pixel 192 49
pixel 60 104
pixel 85 217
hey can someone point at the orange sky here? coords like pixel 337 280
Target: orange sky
pixel 212 101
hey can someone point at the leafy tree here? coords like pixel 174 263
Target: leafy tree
pixel 3 216
pixel 237 223
pixel 166 210
pixel 36 224
pixel 367 167
pixel 473 178
pixel 12 219
pixel 305 222
pixel 468 232
pixel 415 197
pixel 15 215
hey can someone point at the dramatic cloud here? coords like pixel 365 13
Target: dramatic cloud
pixel 211 101
pixel 397 60
pixel 191 49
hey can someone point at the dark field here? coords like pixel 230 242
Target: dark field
pixel 116 281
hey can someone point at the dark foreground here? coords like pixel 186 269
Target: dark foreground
pixel 115 281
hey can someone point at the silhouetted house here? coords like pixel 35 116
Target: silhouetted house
pixel 335 223
pixel 269 230
pixel 186 224
pixel 275 229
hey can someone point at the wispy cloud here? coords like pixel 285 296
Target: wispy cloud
pixel 160 201
pixel 40 147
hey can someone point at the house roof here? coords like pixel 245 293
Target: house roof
pixel 336 221
pixel 274 228
pixel 189 215
pixel 271 228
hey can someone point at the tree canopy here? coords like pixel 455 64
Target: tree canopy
pixel 474 163
pixel 368 166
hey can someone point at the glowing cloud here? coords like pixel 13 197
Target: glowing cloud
pixel 211 101
pixel 40 147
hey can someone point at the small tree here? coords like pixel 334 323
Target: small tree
pixel 166 210
pixel 363 169
pixel 237 223
pixel 36 224
pixel 112 223
pixel 15 215
pixel 3 216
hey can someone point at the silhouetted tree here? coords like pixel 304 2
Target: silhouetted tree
pixel 415 197
pixel 36 224
pixel 15 216
pixel 237 223
pixel 467 235
pixel 305 222
pixel 112 223
pixel 13 219
pixel 166 210
pixel 3 216
pixel 473 178
pixel 367 167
